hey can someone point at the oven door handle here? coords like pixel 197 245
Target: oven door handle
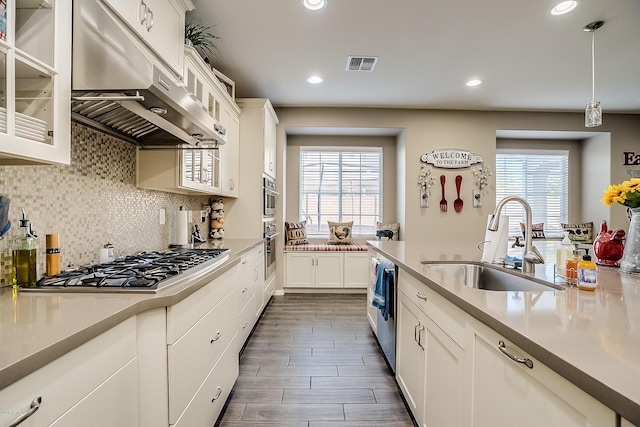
pixel 272 236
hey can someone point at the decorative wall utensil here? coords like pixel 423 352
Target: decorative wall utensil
pixel 457 203
pixel 443 201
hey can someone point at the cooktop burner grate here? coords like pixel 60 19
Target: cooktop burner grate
pixel 142 271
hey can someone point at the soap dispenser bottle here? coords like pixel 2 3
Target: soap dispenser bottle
pixel 564 253
pixel 587 274
pixel 24 255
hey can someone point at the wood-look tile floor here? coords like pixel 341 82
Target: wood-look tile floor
pixel 313 361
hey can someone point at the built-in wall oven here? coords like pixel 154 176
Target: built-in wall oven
pixel 268 197
pixel 270 234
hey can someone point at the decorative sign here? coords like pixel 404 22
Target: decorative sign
pixel 631 158
pixel 451 158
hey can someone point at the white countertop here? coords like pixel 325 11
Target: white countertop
pixel 590 338
pixel 38 327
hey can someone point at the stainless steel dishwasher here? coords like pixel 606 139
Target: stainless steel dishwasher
pixel 384 299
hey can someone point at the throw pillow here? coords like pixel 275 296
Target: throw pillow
pixel 387 231
pixel 340 232
pixel 296 233
pixel 579 233
pixel 537 230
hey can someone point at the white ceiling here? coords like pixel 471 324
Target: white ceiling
pixel 528 59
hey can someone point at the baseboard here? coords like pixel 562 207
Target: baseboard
pixel 324 291
pixel 278 293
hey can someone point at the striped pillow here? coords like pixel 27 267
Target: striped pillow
pixel 296 233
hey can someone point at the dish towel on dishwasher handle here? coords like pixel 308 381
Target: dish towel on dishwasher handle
pixel 383 295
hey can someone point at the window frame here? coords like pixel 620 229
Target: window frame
pixel 312 229
pixel 563 214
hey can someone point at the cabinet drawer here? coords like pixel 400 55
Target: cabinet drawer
pixel 447 316
pixel 64 382
pixel 113 403
pixel 182 316
pixel 246 320
pixel 206 405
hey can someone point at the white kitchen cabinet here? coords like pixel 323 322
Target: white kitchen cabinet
pixel 187 171
pixel 314 269
pixel 112 403
pixel 230 153
pixel 198 332
pixel 87 379
pixel 410 355
pixel 208 402
pixel 506 392
pixel 430 363
pixel 356 270
pixel 35 81
pixel 270 122
pixel 258 125
pixel 159 24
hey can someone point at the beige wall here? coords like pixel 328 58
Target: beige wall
pixel 421 131
pixel 292 189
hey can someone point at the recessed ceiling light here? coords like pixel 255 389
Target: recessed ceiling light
pixel 314 4
pixel 474 82
pixel 314 80
pixel 564 7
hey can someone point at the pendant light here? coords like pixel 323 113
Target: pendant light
pixel 593 112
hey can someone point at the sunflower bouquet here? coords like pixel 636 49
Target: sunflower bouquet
pixel 627 194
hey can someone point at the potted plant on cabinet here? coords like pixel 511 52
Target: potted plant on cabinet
pixel 202 39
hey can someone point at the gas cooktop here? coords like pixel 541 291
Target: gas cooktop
pixel 145 272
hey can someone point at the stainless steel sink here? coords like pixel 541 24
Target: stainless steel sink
pixel 490 278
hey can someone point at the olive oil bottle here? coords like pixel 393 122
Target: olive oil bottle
pixel 24 253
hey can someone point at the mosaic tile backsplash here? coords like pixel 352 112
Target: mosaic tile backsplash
pixel 91 202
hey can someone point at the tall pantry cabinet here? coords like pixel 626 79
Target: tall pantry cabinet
pixel 258 123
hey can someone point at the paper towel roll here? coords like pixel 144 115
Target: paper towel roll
pixel 182 226
pixel 496 242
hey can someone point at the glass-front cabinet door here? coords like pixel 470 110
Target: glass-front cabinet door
pixel 35 81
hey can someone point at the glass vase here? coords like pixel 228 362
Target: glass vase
pixel 630 262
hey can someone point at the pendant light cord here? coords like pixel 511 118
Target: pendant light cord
pixel 593 65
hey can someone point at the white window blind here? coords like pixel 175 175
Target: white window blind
pixel 341 185
pixel 541 178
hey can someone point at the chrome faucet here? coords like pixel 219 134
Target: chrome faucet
pixel 531 254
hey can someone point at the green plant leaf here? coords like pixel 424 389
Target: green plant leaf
pixel 202 39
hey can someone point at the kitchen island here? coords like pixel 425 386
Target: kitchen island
pixel 590 339
pixel 38 329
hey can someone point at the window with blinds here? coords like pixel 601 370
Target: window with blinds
pixel 542 179
pixel 341 185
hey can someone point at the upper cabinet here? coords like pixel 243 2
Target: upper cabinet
pixel 212 171
pixel 259 123
pixel 159 23
pixel 35 81
pixel 270 122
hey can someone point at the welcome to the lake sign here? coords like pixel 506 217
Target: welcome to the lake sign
pixel 451 158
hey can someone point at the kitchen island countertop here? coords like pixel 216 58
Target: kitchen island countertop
pixel 38 327
pixel 590 338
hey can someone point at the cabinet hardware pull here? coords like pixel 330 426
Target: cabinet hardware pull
pixel 245 290
pixel 217 337
pixel 35 405
pixel 143 10
pixel 422 297
pixel 415 332
pixel 149 19
pixel 217 396
pixel 245 325
pixel 527 362
pixel 420 336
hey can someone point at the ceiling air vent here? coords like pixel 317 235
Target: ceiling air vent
pixel 361 63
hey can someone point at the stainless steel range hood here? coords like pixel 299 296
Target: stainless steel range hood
pixel 118 86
